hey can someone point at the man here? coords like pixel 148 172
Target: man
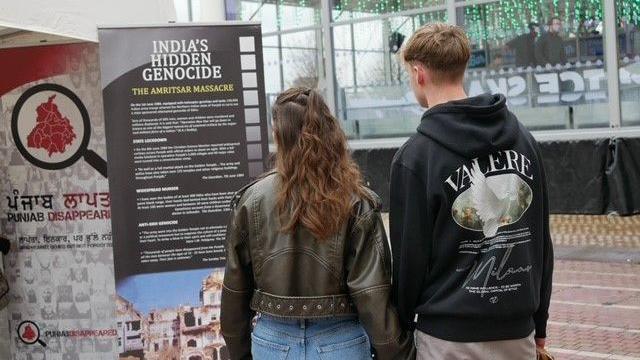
pixel 628 31
pixel 524 46
pixel 469 219
pixel 550 46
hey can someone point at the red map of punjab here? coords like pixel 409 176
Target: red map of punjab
pixel 53 131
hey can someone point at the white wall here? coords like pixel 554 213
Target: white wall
pixel 79 18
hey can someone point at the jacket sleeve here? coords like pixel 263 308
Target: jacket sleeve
pixel 369 283
pixel 540 51
pixel 563 54
pixel 542 314
pixel 513 43
pixel 235 313
pixel 410 240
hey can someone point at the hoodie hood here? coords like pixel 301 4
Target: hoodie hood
pixel 471 127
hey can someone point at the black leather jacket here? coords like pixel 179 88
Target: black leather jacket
pixel 297 276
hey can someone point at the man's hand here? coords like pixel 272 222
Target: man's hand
pixel 540 342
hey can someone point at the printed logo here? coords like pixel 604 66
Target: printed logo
pixel 490 197
pixel 53 131
pixel 51 128
pixel 29 333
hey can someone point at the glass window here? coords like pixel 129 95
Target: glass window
pixel 271 60
pixel 183 12
pixel 628 21
pixel 303 14
pixel 264 12
pixel 135 325
pixel 355 9
pixel 301 59
pixel 373 96
pixel 274 15
pixel 546 57
pixel 344 55
pixel 291 58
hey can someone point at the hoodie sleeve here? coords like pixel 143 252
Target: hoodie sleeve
pixel 542 314
pixel 409 240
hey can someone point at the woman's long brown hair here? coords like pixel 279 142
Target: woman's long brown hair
pixel 318 176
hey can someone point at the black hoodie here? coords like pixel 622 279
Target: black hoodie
pixel 469 225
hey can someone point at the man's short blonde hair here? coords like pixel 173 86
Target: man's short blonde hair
pixel 442 48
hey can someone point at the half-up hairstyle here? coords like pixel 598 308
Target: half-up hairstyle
pixel 318 176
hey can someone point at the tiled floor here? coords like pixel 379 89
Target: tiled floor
pixel 606 231
pixel 592 230
pixel 595 311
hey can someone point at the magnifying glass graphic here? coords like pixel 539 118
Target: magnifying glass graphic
pixel 29 333
pixel 51 128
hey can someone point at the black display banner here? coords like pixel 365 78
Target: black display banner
pixel 184 113
pixel 184 133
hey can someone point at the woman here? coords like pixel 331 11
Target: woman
pixel 307 251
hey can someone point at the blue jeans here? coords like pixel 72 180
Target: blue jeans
pixel 322 339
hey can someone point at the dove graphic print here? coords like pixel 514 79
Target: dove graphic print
pixel 496 201
pixel 489 200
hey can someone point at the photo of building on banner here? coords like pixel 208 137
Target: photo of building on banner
pixel 55 204
pixel 186 128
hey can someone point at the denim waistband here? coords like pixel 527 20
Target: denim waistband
pixel 281 323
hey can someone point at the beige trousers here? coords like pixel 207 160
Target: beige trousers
pixel 431 348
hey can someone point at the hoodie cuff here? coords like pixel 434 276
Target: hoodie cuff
pixel 541 329
pixel 411 326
